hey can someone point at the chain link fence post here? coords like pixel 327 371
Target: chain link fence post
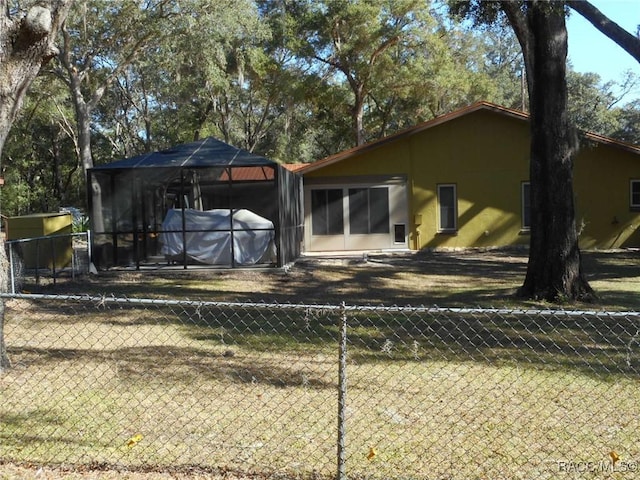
pixel 342 395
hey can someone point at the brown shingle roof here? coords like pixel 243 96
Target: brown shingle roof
pixel 247 174
pixel 294 167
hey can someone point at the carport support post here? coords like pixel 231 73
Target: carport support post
pixel 53 256
pixel 184 221
pixel 342 395
pixel 13 274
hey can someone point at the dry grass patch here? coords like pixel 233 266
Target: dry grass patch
pixel 461 278
pixel 455 396
pixel 250 391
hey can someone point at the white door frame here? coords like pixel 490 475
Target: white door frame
pixel 396 239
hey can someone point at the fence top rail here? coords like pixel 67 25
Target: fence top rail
pixel 102 300
pixel 46 237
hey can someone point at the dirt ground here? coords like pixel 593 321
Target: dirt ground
pixel 11 471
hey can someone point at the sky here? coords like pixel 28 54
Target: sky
pixel 591 51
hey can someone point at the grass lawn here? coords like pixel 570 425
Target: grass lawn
pixel 256 392
pixel 449 279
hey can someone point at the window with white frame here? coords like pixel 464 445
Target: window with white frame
pixel 447 208
pixel 526 205
pixel 326 212
pixel 634 194
pixel 369 210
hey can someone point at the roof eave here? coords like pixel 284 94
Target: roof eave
pixel 482 105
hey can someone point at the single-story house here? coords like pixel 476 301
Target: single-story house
pixel 462 180
pixel 199 203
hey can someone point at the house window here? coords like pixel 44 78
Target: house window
pixel 326 212
pixel 526 205
pixel 447 208
pixel 635 194
pixel 369 210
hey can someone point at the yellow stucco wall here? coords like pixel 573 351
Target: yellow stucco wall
pixel 485 154
pixel 602 177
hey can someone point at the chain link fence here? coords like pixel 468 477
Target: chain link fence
pixel 48 258
pixel 321 391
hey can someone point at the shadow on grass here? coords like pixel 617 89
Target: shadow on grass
pixel 611 265
pixel 35 417
pixel 375 281
pixel 148 364
pixel 266 341
pixel 595 344
pixel 37 420
pixel 461 278
pixel 598 346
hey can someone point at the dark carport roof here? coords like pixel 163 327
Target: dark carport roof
pixel 208 152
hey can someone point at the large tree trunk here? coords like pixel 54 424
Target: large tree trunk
pixel 26 43
pixel 555 270
pixel 83 119
pixel 84 109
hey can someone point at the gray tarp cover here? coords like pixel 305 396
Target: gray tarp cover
pixel 251 243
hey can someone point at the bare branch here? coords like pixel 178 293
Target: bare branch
pixel 627 41
pixel 518 22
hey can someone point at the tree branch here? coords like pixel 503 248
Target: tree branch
pixel 615 32
pixel 519 23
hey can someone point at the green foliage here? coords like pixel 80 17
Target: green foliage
pixel 81 224
pixel 39 161
pixel 591 104
pixel 286 79
pixel 359 44
pixel 628 129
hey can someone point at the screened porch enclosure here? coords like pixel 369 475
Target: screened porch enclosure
pixel 205 203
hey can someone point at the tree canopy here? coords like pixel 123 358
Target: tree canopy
pixel 295 81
